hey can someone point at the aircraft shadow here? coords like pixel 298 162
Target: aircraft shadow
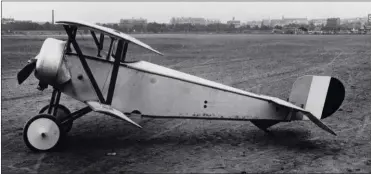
pixel 297 140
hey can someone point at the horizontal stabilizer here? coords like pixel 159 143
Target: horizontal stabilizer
pixel 307 113
pixel 318 122
pixel 107 109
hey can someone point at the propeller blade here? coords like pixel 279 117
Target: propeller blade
pixel 26 71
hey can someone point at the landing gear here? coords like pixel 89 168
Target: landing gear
pixel 58 110
pixel 46 131
pixel 43 133
pixel 62 114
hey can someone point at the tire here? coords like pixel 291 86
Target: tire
pixel 43 133
pixel 61 113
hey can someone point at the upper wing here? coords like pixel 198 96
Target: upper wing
pixel 111 32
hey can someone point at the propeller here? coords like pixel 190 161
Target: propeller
pixel 26 71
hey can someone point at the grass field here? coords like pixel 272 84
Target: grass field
pixel 266 64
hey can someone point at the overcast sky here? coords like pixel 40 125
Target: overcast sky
pixel 163 11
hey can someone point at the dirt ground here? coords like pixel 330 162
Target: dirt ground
pixel 267 64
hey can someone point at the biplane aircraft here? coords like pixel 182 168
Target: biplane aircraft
pixel 109 84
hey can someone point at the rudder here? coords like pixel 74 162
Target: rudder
pixel 321 95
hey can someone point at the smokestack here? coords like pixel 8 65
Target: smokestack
pixel 53 17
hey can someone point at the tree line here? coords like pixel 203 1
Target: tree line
pixel 30 26
pixel 154 27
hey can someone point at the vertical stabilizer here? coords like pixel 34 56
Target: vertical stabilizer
pixel 320 95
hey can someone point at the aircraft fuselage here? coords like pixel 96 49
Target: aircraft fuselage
pixel 156 91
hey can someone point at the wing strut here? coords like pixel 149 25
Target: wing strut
pixel 120 55
pixel 98 43
pixel 71 38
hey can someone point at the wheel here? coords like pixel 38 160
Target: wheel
pixel 42 133
pixel 62 112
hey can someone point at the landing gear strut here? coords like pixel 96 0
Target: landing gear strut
pixel 57 110
pixel 45 131
pixel 62 113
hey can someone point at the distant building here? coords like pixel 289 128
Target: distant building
pixel 253 24
pixel 285 21
pixel 190 20
pixel 266 22
pixel 333 23
pixel 110 23
pixel 7 20
pixel 299 21
pixel 365 20
pixel 356 25
pixel 130 23
pixel 362 20
pixel 53 17
pixel 235 23
pixel 23 21
pixel 11 20
pixel 212 21
pixel 193 21
pixel 368 25
pixel 276 22
pixel 41 23
pixel 318 22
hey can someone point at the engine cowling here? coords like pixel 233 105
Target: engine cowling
pixel 50 66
